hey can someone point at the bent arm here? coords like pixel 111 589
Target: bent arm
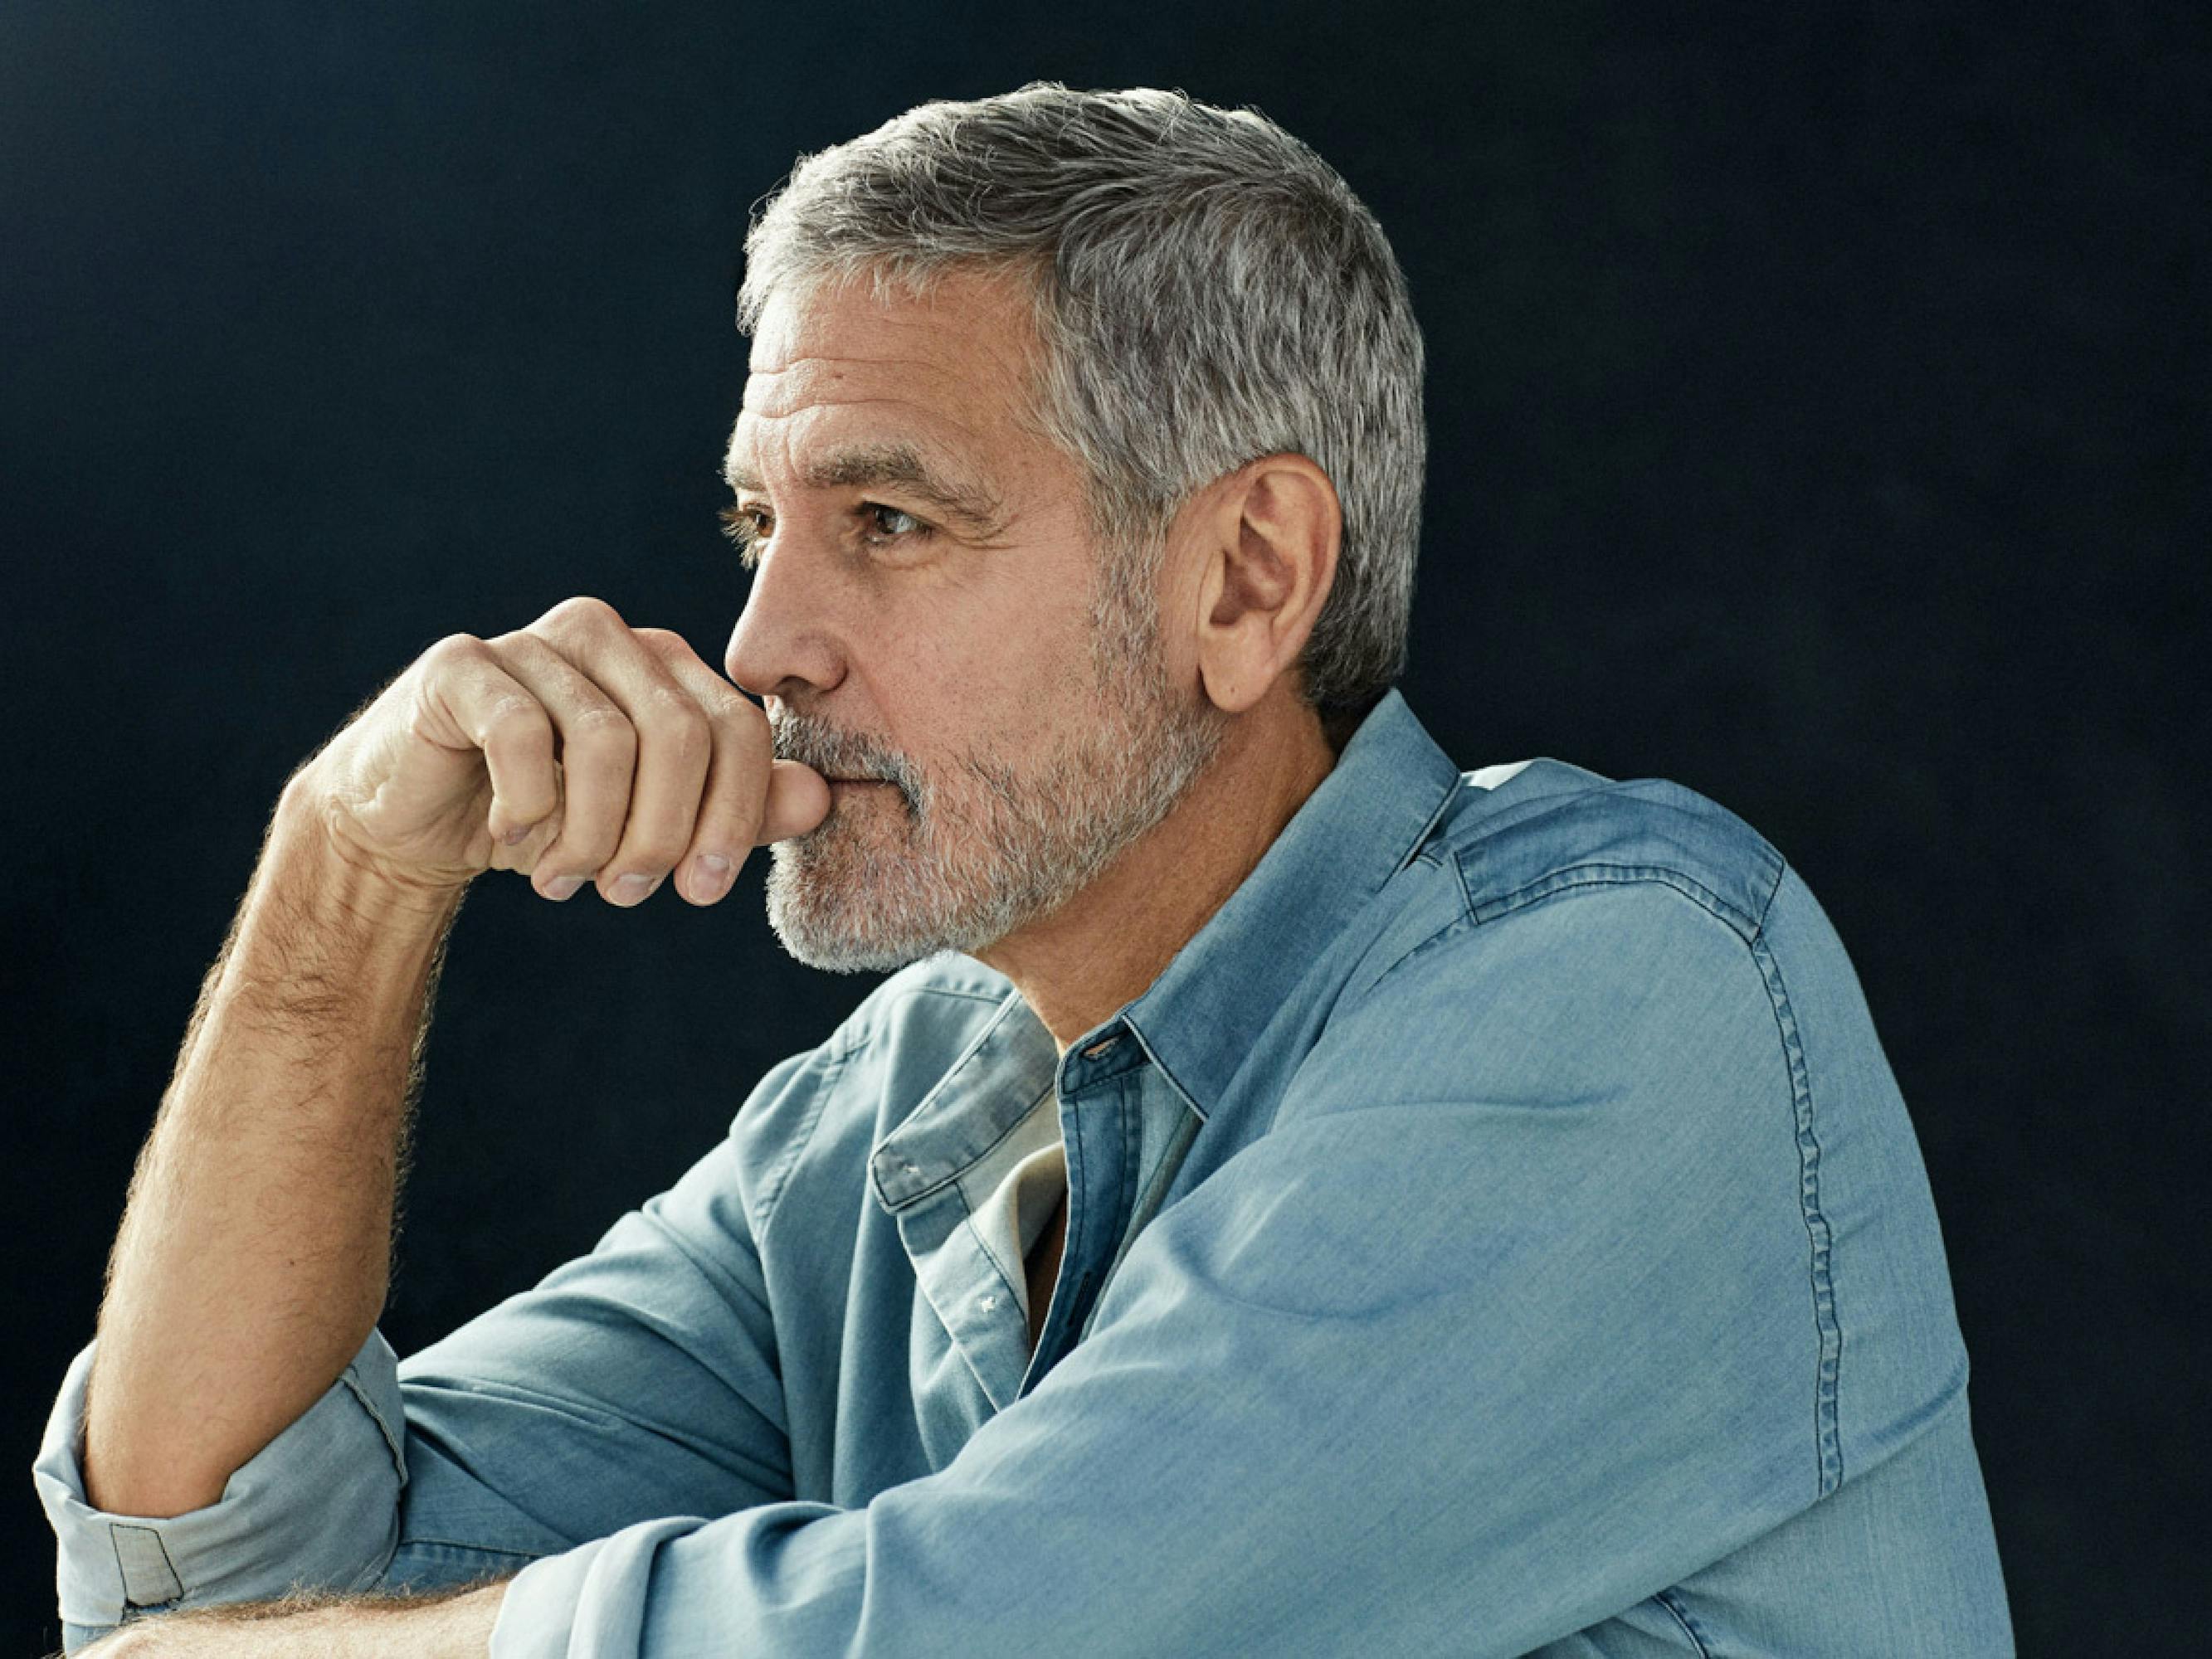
pixel 253 1256
pixel 636 1381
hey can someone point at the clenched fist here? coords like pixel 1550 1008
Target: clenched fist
pixel 577 749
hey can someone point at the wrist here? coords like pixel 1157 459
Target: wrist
pixel 326 869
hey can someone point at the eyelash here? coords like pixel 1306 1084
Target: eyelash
pixel 743 525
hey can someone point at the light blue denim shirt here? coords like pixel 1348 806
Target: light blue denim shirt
pixel 1498 1231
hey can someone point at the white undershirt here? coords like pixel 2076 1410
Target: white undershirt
pixel 1021 1206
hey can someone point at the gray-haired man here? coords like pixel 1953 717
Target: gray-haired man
pixel 1300 1199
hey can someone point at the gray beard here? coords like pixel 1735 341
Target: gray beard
pixel 894 875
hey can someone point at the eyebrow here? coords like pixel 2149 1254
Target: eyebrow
pixel 896 464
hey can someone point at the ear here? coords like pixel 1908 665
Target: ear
pixel 1271 540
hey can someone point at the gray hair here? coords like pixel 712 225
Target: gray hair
pixel 1208 291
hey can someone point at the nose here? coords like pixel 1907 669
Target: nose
pixel 783 643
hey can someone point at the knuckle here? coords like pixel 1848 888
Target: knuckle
pixel 582 610
pixel 679 721
pixel 746 722
pixel 655 854
pixel 603 727
pixel 522 640
pixel 516 710
pixel 519 726
pixel 455 648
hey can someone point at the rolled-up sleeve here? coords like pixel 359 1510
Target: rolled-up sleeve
pixel 1504 1326
pixel 319 1505
pixel 636 1381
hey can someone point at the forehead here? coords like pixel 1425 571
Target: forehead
pixel 948 366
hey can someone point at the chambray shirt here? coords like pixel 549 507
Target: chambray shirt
pixel 1498 1231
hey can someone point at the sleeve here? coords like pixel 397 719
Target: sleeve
pixel 635 1381
pixel 1504 1327
pixel 317 1504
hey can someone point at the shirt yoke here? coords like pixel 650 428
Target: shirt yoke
pixel 1565 826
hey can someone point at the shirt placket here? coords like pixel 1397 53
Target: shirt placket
pixel 1125 1130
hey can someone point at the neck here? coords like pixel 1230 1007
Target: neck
pixel 1109 942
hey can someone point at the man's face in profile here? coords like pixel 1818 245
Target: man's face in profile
pixel 935 629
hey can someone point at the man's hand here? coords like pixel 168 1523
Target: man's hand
pixel 447 1625
pixel 577 749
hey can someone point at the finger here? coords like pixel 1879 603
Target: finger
pixel 497 713
pixel 673 739
pixel 737 778
pixel 598 749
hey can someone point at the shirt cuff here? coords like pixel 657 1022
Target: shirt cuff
pixel 614 1598
pixel 318 1505
pixel 586 1603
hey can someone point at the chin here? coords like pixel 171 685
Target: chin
pixel 835 907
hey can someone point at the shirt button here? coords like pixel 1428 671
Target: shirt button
pixel 989 1303
pixel 1105 1046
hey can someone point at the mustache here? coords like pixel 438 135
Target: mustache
pixel 839 754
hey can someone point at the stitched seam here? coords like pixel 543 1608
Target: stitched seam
pixel 1827 1435
pixel 955 1178
pixel 1585 875
pixel 1465 890
pixel 115 1542
pixel 1450 930
pixel 465 1549
pixel 1780 871
pixel 394 1440
pixel 1665 1598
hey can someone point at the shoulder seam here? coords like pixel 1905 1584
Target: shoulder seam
pixel 1750 930
pixel 1827 1432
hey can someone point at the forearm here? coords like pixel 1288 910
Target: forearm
pixel 253 1256
pixel 447 1625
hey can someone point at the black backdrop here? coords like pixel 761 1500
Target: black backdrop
pixel 1818 415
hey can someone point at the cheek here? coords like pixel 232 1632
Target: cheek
pixel 940 688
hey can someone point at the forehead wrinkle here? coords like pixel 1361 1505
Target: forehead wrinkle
pixel 787 387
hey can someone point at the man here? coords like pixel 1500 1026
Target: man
pixel 1295 1198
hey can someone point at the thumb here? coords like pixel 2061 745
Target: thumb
pixel 797 800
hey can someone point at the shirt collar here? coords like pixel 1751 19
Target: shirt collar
pixel 1370 816
pixel 1363 823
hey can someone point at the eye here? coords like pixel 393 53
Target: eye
pixel 891 523
pixel 747 527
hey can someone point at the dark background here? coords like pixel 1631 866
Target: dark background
pixel 1817 401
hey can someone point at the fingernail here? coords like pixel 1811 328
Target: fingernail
pixel 710 875
pixel 632 888
pixel 562 887
pixel 517 835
